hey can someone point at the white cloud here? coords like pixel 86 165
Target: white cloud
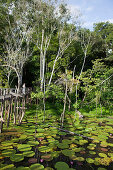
pixel 110 20
pixel 74 9
pixel 89 9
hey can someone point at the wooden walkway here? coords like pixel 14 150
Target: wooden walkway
pixel 12 105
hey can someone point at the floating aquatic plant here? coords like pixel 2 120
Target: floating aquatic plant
pixel 28 153
pixel 6 167
pixel 102 155
pixel 61 166
pixel 47 157
pixel 8 152
pixel 68 152
pixel 92 152
pixel 16 157
pixel 36 167
pixel 33 143
pixel 63 145
pixel 23 147
pixel 45 149
pixel 89 160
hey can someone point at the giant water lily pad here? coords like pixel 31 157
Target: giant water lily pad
pixel 67 141
pixel 55 154
pixel 28 153
pixel 82 142
pixel 45 149
pixel 8 152
pixel 89 160
pixel 76 149
pixel 6 167
pixel 79 159
pixel 16 157
pixel 102 155
pixel 23 147
pixel 63 145
pixel 37 167
pixel 61 166
pixel 47 157
pixel 92 152
pixel 33 143
pixel 68 152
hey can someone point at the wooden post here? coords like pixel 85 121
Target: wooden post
pixel 9 111
pixel 1 114
pixel 15 103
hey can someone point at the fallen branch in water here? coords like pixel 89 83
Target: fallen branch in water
pixel 73 133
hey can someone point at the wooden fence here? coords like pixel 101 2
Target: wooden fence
pixel 12 105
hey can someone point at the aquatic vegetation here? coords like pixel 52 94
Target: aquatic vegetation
pixel 28 153
pixel 61 166
pixel 68 152
pixel 49 145
pixel 6 167
pixel 47 157
pixel 89 160
pixel 16 157
pixel 102 155
pixel 36 167
pixel 8 152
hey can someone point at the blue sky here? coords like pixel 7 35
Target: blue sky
pixel 92 11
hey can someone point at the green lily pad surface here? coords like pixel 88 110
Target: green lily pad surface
pixel 61 166
pixel 16 157
pixel 37 167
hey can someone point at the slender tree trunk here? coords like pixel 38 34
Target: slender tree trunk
pixel 44 101
pixel 9 112
pixel 42 62
pixel 15 103
pixel 62 115
pixel 19 82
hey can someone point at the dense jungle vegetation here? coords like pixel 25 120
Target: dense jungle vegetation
pixel 70 70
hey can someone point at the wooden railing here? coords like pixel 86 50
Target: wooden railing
pixel 12 105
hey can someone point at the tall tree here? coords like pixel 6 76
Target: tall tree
pixel 17 38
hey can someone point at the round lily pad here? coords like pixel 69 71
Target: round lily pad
pixel 102 155
pixel 89 160
pixel 28 153
pixel 63 145
pixel 92 152
pixel 47 157
pixel 79 159
pixel 6 167
pixel 61 166
pixel 8 152
pixel 16 157
pixel 36 167
pixel 44 149
pixel 68 152
pixel 23 147
pixel 32 143
pixel 55 154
